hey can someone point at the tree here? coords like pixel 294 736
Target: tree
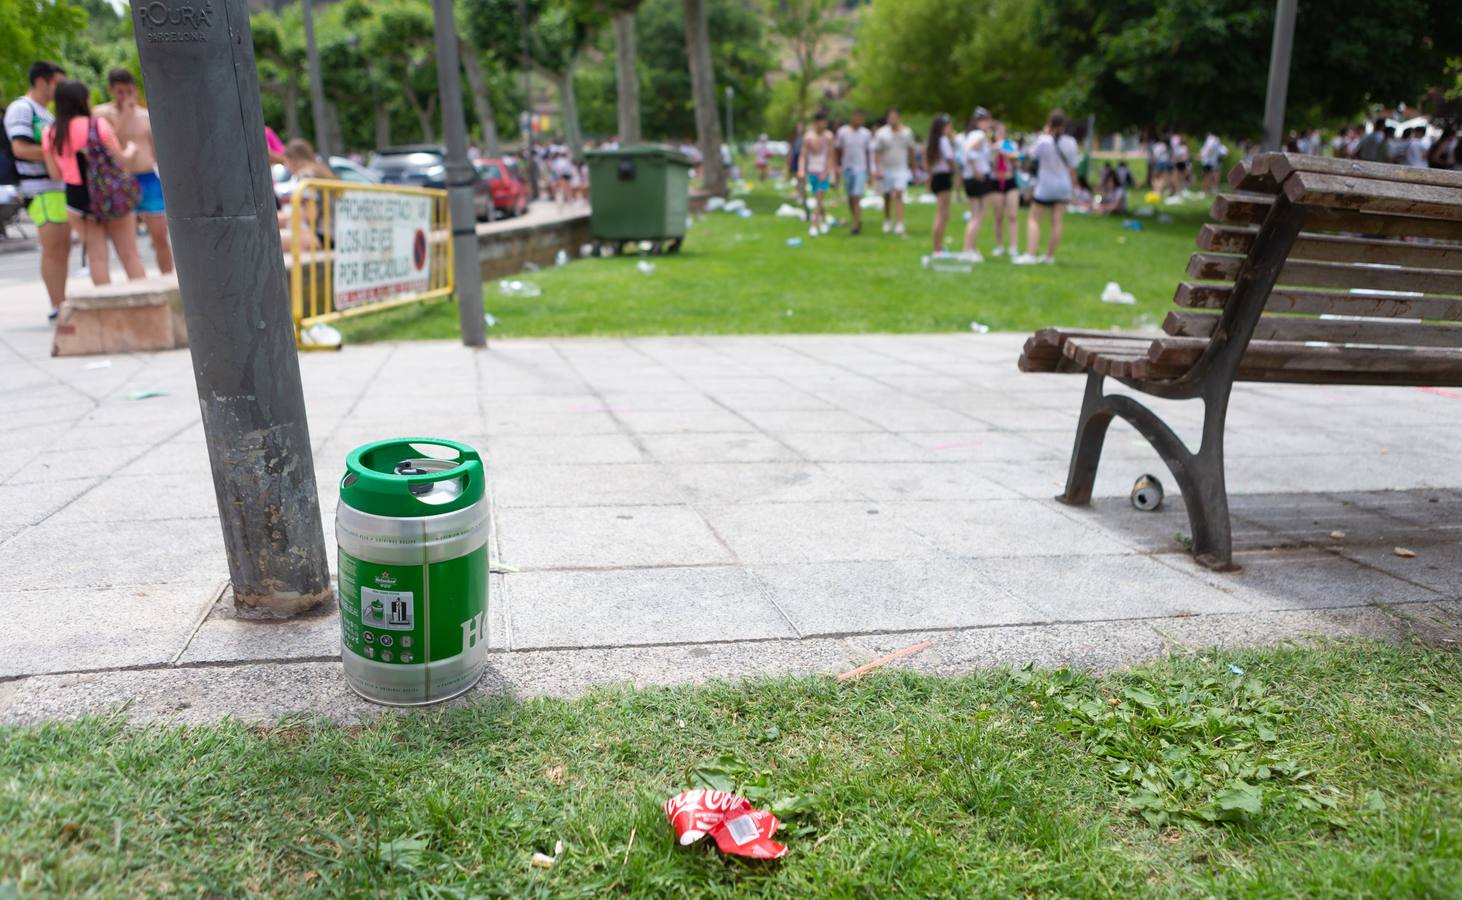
pixel 477 85
pixel 1200 64
pixel 703 90
pixel 280 52
pixel 805 26
pixel 32 30
pixel 627 76
pixel 400 36
pixel 934 56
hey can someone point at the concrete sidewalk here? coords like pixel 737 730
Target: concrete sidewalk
pixel 680 509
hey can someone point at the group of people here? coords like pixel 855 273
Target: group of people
pixel 982 160
pixel 1411 147
pixel 84 171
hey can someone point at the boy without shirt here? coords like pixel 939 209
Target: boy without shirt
pixel 133 125
pixel 817 165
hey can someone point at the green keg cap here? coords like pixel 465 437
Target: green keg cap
pixel 410 477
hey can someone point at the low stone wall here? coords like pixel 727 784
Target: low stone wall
pixel 504 248
pixel 123 317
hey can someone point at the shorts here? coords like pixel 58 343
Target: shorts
pixel 979 187
pixel 855 181
pixel 818 183
pixel 1182 165
pixel 1209 167
pixel 1006 184
pixel 151 186
pixel 1162 167
pixel 940 182
pixel 48 208
pixel 890 182
pixel 78 200
pixel 1060 201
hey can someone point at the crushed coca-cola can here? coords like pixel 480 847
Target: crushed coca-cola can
pixel 729 819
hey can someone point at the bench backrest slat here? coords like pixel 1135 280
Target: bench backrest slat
pixel 1312 273
pixel 1280 166
pixel 1315 302
pixel 1373 195
pixel 1406 332
pixel 1251 208
pixel 1339 248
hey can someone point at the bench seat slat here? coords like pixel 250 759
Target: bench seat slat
pixel 1280 166
pixel 1311 273
pixel 1336 331
pixel 1250 209
pixel 1314 302
pixel 1339 248
pixel 1374 195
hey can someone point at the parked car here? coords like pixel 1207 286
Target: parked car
pixel 344 168
pixel 425 165
pixel 508 188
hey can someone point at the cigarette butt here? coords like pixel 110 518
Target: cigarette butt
pixel 542 861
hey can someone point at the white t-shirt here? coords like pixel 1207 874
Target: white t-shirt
pixel 893 148
pixel 945 162
pixel 975 157
pixel 1055 160
pixel 853 144
pixel 25 119
pixel 1160 151
pixel 1211 150
pixel 1415 152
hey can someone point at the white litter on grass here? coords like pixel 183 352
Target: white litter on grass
pixel 1164 219
pixel 968 215
pixel 979 328
pixel 1145 212
pixel 734 206
pixel 947 262
pixel 561 258
pixel 320 334
pixel 744 213
pixel 788 211
pixel 586 250
pixel 512 287
pixel 926 200
pixel 1174 200
pixel 1113 293
pixel 645 266
pixel 99 364
pixel 871 203
pixel 715 203
pixel 489 320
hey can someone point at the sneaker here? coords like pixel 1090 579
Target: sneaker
pixel 998 251
pixel 812 232
pixel 855 230
pixel 1025 259
pixel 1048 260
pixel 51 316
pixel 899 229
pixel 972 256
pixel 887 226
pixel 825 227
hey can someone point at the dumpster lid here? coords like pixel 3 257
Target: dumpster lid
pixel 662 151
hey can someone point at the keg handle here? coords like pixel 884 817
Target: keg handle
pixel 418 481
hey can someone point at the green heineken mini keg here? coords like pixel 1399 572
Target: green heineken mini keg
pixel 412 532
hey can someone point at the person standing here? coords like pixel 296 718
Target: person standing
pixel 816 166
pixel 1056 155
pixel 64 144
pixel 1180 162
pixel 1414 150
pixel 1372 147
pixel 976 171
pixel 26 121
pixel 1005 160
pixel 1210 157
pixel 855 144
pixel 763 157
pixel 133 125
pixel 939 158
pixel 893 160
pixel 1160 153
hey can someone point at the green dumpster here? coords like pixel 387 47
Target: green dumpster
pixel 639 192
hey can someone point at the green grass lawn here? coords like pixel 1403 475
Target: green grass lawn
pixel 738 276
pixel 1317 772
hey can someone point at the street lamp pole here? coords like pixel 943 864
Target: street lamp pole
pixel 1278 90
pixel 317 87
pixel 461 179
pixel 203 93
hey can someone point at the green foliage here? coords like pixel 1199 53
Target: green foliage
pixel 32 30
pixel 804 28
pixel 1201 64
pixel 934 56
pixel 739 55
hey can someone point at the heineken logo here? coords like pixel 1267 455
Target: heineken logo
pixel 385 580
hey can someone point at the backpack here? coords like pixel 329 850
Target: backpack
pixel 113 192
pixel 9 174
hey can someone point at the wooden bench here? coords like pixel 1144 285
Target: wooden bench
pixel 1315 270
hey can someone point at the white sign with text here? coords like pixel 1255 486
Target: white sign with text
pixel 381 249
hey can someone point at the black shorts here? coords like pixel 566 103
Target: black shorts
pixel 1039 202
pixel 979 187
pixel 1209 167
pixel 1181 165
pixel 939 182
pixel 78 200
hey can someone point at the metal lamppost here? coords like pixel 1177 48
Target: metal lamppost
pixel 203 92
pixel 461 179
pixel 317 86
pixel 1278 89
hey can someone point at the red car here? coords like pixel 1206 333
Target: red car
pixel 505 182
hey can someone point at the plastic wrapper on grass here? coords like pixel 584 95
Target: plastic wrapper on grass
pixel 513 287
pixel 728 819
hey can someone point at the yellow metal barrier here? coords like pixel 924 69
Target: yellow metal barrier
pixel 366 247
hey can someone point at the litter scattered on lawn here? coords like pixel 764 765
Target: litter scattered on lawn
pixel 728 819
pixel 979 328
pixel 645 266
pixel 1164 219
pixel 871 203
pixel 1113 293
pixel 884 660
pixel 1131 225
pixel 788 211
pixel 794 242
pixel 715 203
pixel 561 258
pixel 1235 669
pixel 926 200
pixel 512 287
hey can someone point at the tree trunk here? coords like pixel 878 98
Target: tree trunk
pixel 333 129
pixel 481 102
pixel 291 108
pixel 423 114
pixel 627 77
pixel 565 83
pixel 383 127
pixel 703 89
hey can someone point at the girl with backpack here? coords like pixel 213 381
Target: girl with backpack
pixel 1055 155
pixel 84 153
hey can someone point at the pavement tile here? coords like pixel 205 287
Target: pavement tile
pixel 852 597
pixel 920 481
pixel 716 448
pixel 814 532
pixel 1004 528
pixel 517 450
pixel 808 420
pixel 27 504
pixel 136 498
pixel 683 421
pixel 66 629
pixel 607 537
pixel 100 554
pixel 640 606
pixel 619 484
pixel 1435 566
pixel 1089 588
pixel 770 482
pixel 1308 579
pixel 871 446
